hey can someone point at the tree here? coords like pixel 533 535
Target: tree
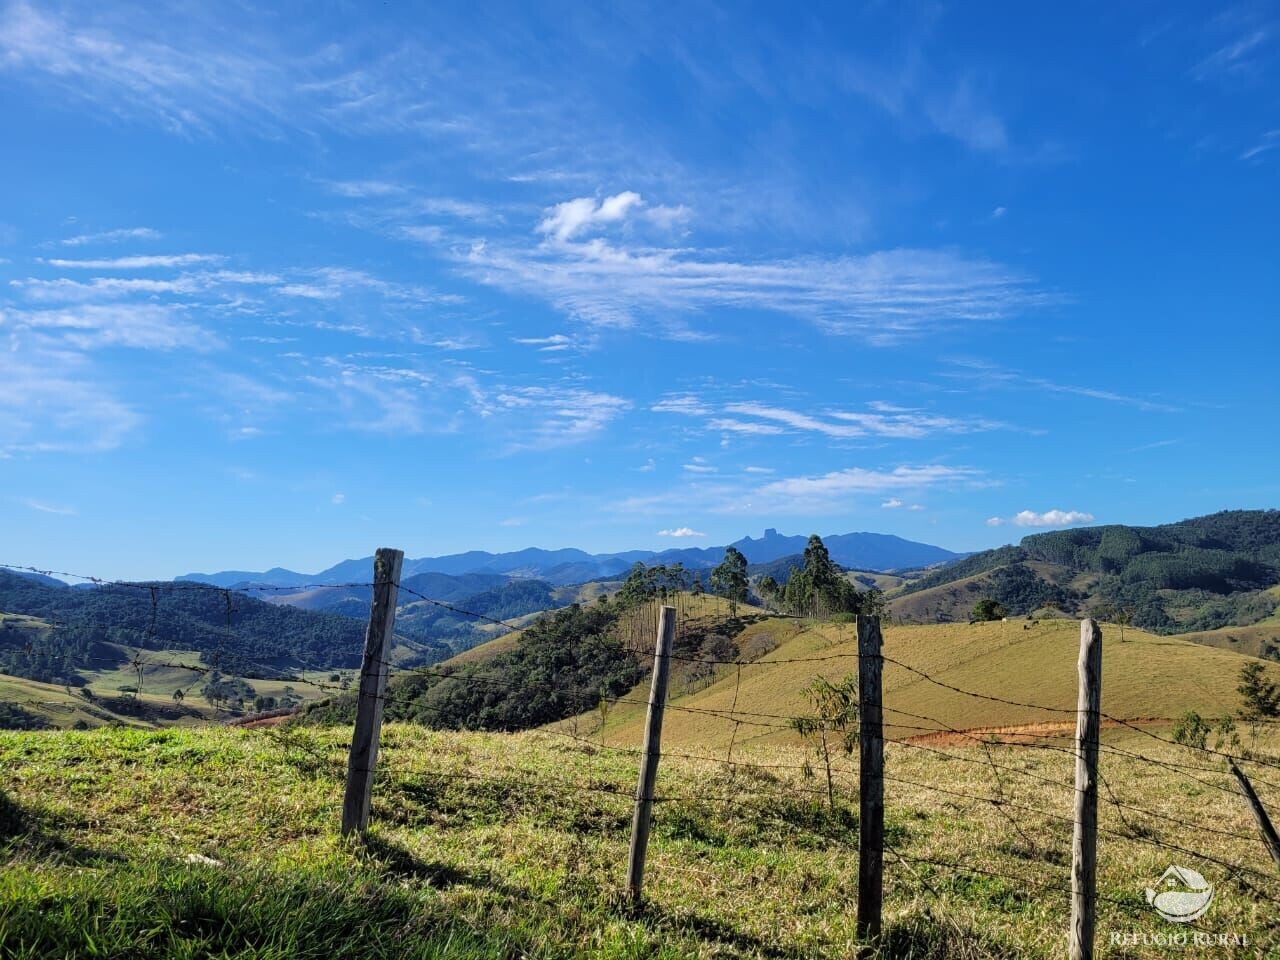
pixel 820 588
pixel 729 579
pixel 768 589
pixel 835 715
pixel 1191 730
pixel 987 608
pixel 1261 699
pixel 1260 695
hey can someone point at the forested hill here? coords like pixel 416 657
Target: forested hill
pixel 1196 574
pixel 240 631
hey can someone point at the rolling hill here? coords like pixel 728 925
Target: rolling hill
pixel 242 634
pixel 1195 575
pixel 1146 678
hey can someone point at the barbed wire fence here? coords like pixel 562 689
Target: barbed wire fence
pixel 750 783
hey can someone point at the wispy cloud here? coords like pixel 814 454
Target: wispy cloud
pixel 557 416
pixel 136 262
pixel 113 236
pixel 882 297
pixel 858 480
pixel 681 532
pixel 839 490
pixel 1238 55
pixel 1268 142
pixel 987 375
pixel 42 507
pixel 1049 518
pixel 555 343
pixel 141 326
pixel 51 402
pixel 884 420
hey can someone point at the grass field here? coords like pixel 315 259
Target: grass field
pixel 506 846
pixel 215 842
pixel 1146 678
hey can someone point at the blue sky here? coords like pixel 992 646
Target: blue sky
pixel 281 285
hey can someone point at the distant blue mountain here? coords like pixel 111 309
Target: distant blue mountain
pixel 859 551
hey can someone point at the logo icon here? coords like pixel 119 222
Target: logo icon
pixel 1182 895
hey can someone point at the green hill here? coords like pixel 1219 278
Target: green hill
pixel 84 627
pixel 1195 575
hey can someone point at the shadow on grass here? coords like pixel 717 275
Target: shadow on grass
pixel 155 908
pixel 924 936
pixel 398 861
pixel 708 929
pixel 29 832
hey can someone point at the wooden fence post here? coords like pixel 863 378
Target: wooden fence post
pixel 870 782
pixel 641 821
pixel 1084 843
pixel 373 686
pixel 1259 812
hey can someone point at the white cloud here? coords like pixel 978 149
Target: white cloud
pixel 566 220
pixel 999 212
pixel 744 426
pixel 42 507
pixel 554 343
pixel 759 470
pixel 681 532
pixel 363 189
pixel 1270 141
pixel 989 375
pixel 558 416
pixel 699 468
pixel 142 262
pixel 113 236
pixel 66 290
pixel 338 499
pixel 513 522
pixel 903 424
pixel 50 403
pixel 648 466
pixel 142 326
pixel 882 297
pixel 1050 518
pixel 798 421
pixel 893 503
pixel 858 480
pixel 683 403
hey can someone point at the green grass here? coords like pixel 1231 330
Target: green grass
pixel 479 850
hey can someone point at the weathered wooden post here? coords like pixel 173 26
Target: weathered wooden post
pixel 1084 844
pixel 1259 812
pixel 870 782
pixel 642 819
pixel 373 687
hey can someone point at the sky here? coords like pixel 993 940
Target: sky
pixel 280 284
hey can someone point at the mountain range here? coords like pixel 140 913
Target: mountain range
pixel 858 551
